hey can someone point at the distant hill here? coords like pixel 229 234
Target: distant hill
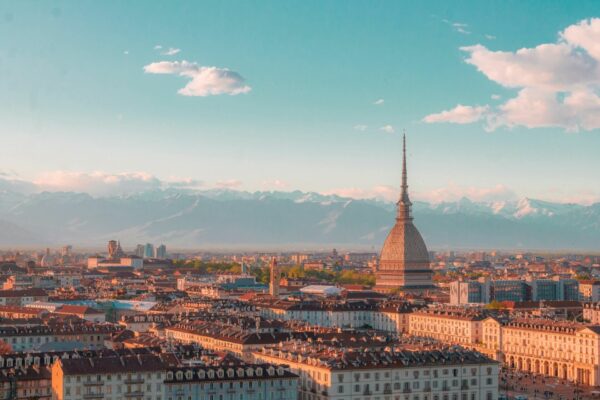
pixel 226 218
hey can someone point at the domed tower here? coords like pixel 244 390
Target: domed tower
pixel 404 260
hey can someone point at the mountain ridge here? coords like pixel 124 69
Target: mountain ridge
pixel 229 218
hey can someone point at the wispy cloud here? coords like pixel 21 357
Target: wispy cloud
pixel 171 51
pixel 379 102
pixel 126 52
pixel 360 127
pixel 490 37
pixel 387 129
pixel 458 115
pixel 204 81
pixel 557 83
pixel 157 47
pixel 458 26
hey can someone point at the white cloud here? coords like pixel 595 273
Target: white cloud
pixel 275 184
pixel 490 37
pixel 381 192
pixel 379 102
pixel 157 47
pixel 229 184
pixel 454 192
pixel 387 129
pixel 458 26
pixel 97 183
pixel 495 97
pixel 100 183
pixel 458 115
pixel 361 128
pixel 205 81
pixel 126 52
pixel 171 51
pixel 557 83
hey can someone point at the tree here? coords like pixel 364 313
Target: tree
pixel 5 348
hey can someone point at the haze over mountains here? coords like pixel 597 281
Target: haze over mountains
pixel 235 219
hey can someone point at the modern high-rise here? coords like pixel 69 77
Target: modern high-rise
pixel 161 252
pixel 404 260
pixel 139 250
pixel 149 250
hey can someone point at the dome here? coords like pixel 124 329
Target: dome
pixel 404 260
pixel 403 247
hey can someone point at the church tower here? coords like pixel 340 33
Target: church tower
pixel 275 276
pixel 404 260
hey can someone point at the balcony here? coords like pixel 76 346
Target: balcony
pixel 367 392
pixel 387 391
pixel 93 395
pixel 137 393
pixel 407 390
pixel 93 383
pixel 133 381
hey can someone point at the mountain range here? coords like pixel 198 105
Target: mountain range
pixel 236 219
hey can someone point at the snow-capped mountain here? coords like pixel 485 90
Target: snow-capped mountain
pixel 228 218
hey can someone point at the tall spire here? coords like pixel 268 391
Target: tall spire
pixel 404 202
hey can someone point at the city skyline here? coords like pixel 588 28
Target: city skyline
pixel 86 98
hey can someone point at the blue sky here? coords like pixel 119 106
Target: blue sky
pixel 291 103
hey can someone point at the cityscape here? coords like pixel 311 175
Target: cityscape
pixel 382 260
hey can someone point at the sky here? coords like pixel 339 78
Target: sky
pixel 499 100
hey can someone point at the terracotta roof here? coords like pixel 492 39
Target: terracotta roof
pixel 72 309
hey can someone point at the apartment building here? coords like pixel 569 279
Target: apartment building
pixel 334 373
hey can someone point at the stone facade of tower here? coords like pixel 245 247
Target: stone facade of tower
pixel 275 276
pixel 404 260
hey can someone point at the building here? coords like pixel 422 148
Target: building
pixel 589 290
pixel 591 313
pixel 22 297
pixel 238 381
pixel 59 337
pixel 161 252
pixel 114 250
pixel 148 250
pixel 139 250
pixel 461 327
pixel 17 312
pixel 123 262
pixel 404 260
pixel 566 350
pixel 83 312
pixel 337 373
pixel 484 290
pixel 25 383
pixel 138 377
pixel 274 280
pixel 232 339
